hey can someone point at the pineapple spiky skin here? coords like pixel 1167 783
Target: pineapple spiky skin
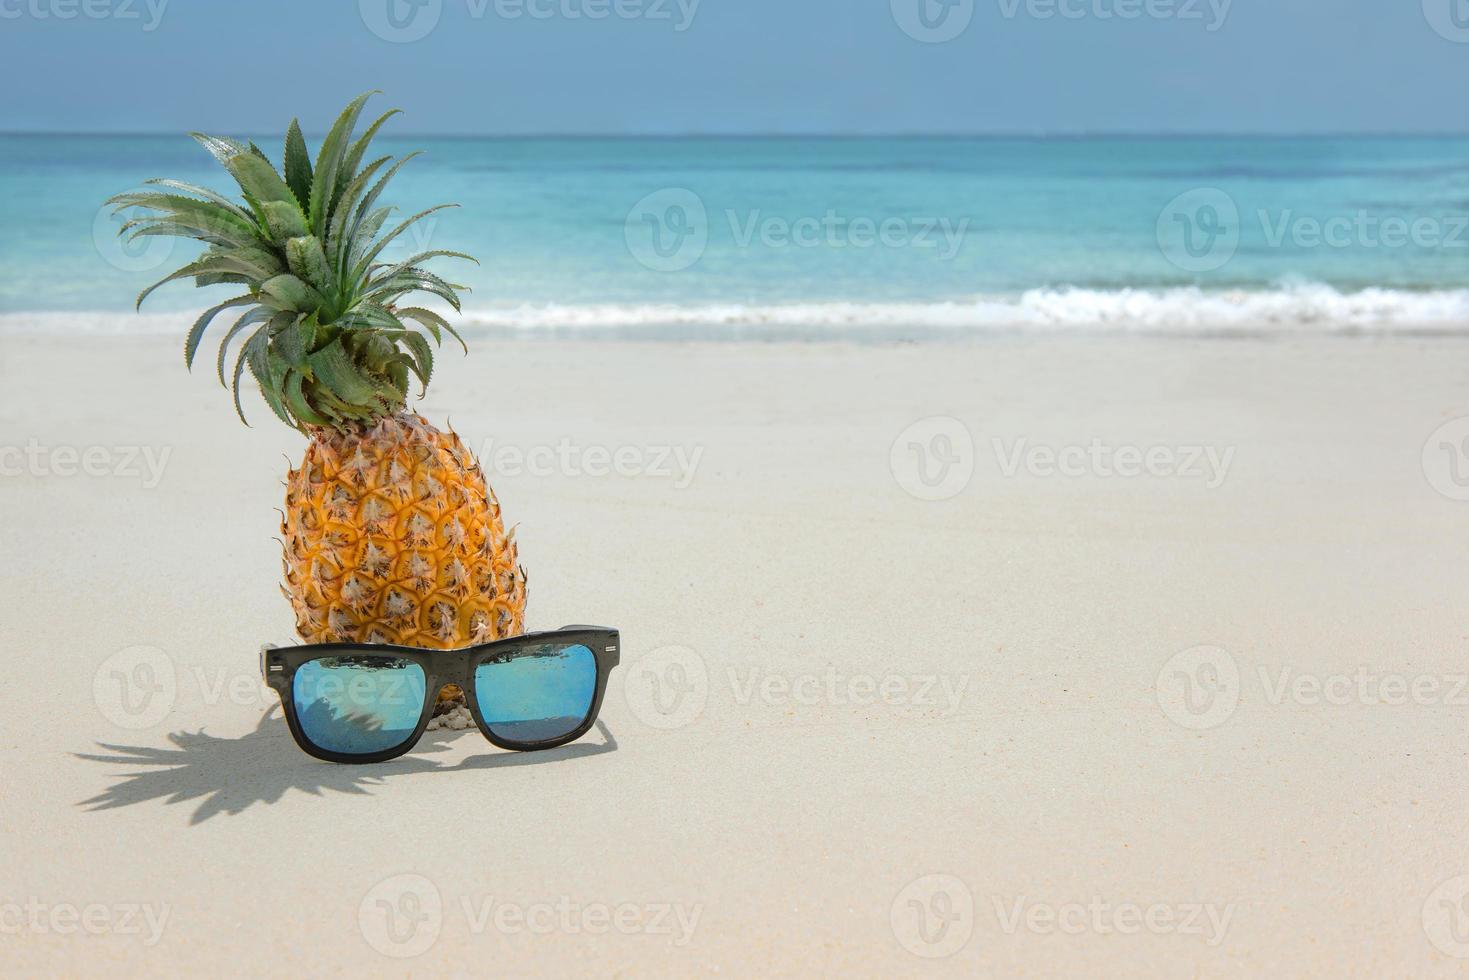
pixel 391 535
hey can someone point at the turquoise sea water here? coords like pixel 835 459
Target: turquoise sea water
pixel 808 233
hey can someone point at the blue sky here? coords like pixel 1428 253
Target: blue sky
pixel 741 66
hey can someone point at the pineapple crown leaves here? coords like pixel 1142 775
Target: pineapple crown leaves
pixel 321 328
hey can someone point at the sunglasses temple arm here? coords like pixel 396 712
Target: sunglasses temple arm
pixel 265 648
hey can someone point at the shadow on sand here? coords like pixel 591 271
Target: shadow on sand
pixel 228 775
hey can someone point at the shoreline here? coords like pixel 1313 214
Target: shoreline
pixel 1302 310
pixel 19 326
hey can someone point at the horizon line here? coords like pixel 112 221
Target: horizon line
pixel 1060 135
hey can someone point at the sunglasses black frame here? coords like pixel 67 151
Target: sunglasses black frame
pixel 278 667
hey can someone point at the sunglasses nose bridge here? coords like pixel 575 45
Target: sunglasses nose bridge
pixel 450 667
pixel 451 679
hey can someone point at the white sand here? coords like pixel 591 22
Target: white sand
pixel 781 827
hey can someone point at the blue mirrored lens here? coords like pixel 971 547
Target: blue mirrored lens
pixel 358 705
pixel 537 693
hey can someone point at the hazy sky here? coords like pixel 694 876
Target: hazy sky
pixel 742 66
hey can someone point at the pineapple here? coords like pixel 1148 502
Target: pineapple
pixel 390 533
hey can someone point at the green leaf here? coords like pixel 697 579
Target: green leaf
pixel 333 367
pixel 359 240
pixel 366 222
pixel 285 220
pixel 297 163
pixel 433 322
pixel 254 262
pixel 359 148
pixel 373 351
pixel 323 397
pixel 295 399
pixel 254 316
pixel 308 262
pixel 291 346
pixel 204 214
pixel 336 243
pixel 259 213
pixel 310 330
pixel 269 374
pixel 200 230
pixel 370 315
pixel 421 257
pixel 398 375
pixel 196 333
pixel 203 192
pixel 221 148
pixel 423 356
pixel 219 278
pixel 329 162
pixel 258 178
pixel 183 272
pixel 291 294
pixel 388 393
pixel 240 369
pixel 377 189
pixel 366 261
pixel 414 280
pixel 226 151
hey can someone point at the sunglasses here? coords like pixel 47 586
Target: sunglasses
pixel 368 702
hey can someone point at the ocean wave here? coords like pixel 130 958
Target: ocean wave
pixel 1314 308
pixel 1303 308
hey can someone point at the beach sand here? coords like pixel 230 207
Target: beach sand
pixel 831 689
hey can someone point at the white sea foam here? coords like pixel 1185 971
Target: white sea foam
pixel 1304 308
pixel 1312 307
